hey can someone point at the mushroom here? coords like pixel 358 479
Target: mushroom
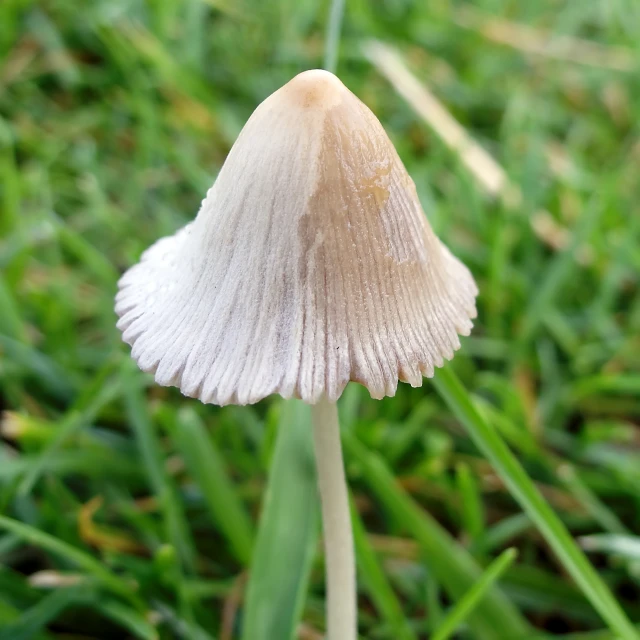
pixel 310 264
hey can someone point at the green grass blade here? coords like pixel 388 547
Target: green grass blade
pixel 603 383
pixel 451 564
pixel 177 530
pixel 598 510
pixel 472 510
pixel 102 390
pixel 332 43
pixel 11 322
pixel 474 596
pixel 372 577
pixel 48 372
pixel 208 469
pixel 35 619
pixel 503 532
pixel 604 634
pixel 84 251
pixel 288 533
pixel 83 560
pixel 556 276
pixel 525 492
pixel 176 525
pixel 128 619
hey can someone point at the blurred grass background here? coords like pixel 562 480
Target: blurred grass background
pixel 132 512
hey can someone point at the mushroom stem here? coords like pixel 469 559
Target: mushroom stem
pixel 336 523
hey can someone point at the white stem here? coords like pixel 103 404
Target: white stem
pixel 336 524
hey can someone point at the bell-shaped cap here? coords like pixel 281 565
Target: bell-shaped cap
pixel 310 264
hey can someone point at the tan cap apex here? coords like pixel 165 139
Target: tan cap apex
pixel 315 88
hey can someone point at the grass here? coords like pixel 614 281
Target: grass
pixel 114 120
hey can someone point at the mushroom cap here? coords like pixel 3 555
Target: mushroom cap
pixel 310 264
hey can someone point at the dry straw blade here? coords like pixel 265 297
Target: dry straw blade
pixel 544 44
pixel 487 172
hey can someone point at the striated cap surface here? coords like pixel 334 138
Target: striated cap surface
pixel 310 264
